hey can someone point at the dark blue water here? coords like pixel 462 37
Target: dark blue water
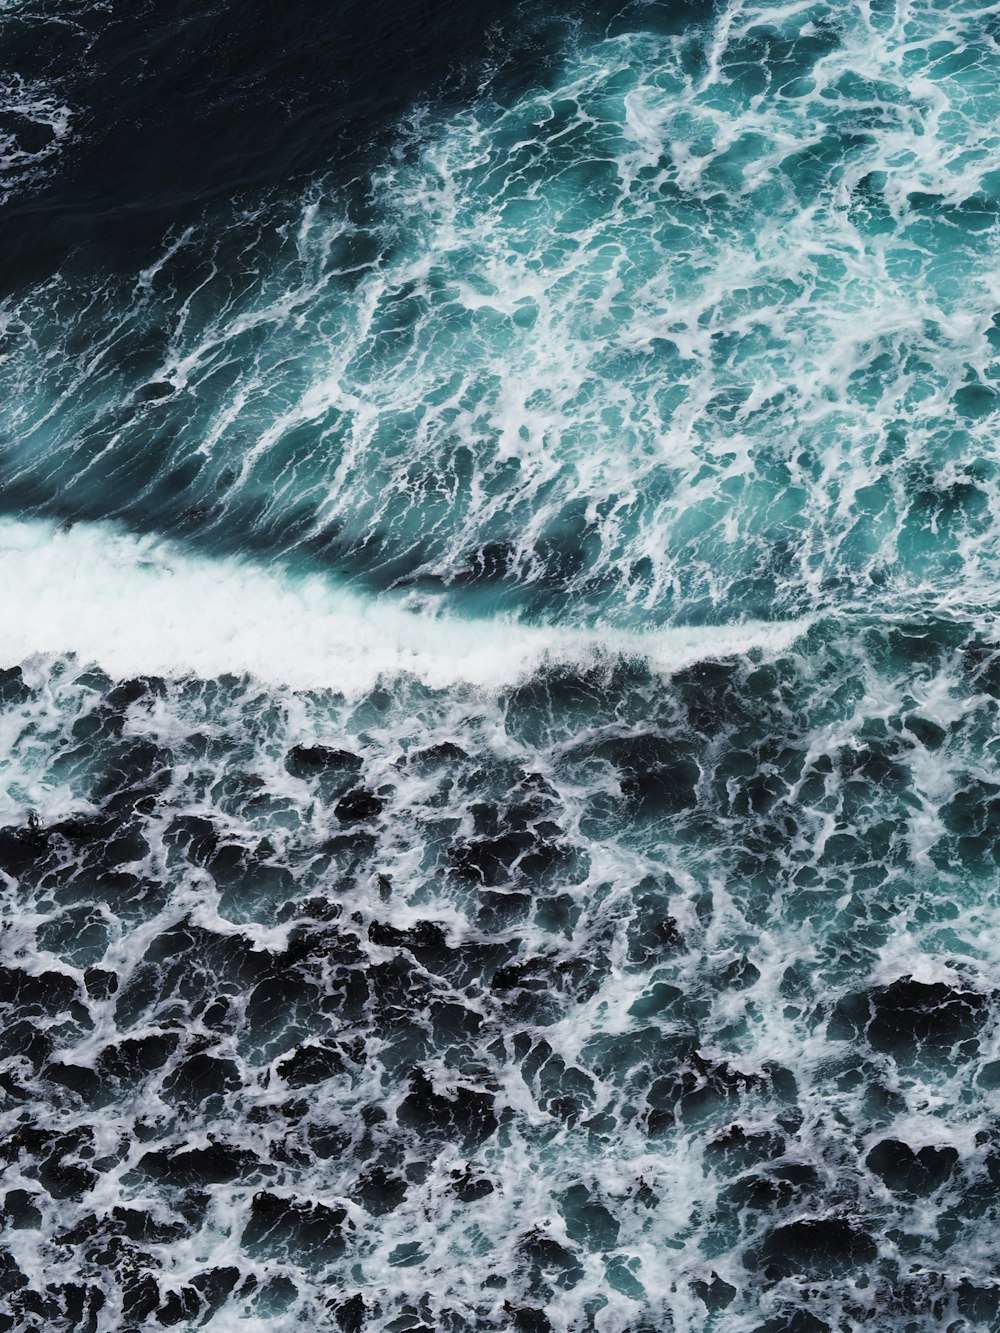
pixel 499 687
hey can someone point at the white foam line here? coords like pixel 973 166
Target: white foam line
pixel 141 605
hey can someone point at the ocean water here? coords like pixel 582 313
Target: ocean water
pixel 500 682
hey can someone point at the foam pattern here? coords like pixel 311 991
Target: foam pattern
pixel 499 686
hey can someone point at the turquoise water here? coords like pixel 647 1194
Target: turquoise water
pixel 705 330
pixel 501 812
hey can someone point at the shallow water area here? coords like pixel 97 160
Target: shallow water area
pixel 499 680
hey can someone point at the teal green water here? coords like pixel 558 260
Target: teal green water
pixel 420 977
pixel 705 330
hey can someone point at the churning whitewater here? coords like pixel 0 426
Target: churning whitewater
pixel 500 674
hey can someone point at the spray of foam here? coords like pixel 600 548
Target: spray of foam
pixel 136 605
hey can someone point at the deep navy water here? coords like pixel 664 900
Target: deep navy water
pixel 500 666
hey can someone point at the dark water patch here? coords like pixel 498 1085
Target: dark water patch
pixel 460 1110
pixel 909 1172
pixel 470 1188
pixel 199 1079
pixel 717 1294
pixel 283 1226
pixel 19 1211
pixel 908 1017
pixel 178 106
pixel 817 1247
pixel 380 1191
pixel 219 1163
pixel 313 1063
pixel 312 761
pixel 358 805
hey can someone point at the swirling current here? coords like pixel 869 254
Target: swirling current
pixel 500 691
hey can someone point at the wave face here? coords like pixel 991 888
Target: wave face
pixel 500 669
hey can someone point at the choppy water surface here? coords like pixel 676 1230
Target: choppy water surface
pixel 500 816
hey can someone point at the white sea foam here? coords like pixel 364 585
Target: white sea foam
pixel 721 363
pixel 138 605
pixel 488 384
pixel 36 111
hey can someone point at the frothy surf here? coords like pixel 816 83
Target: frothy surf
pixel 499 704
pixel 140 606
pixel 704 331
